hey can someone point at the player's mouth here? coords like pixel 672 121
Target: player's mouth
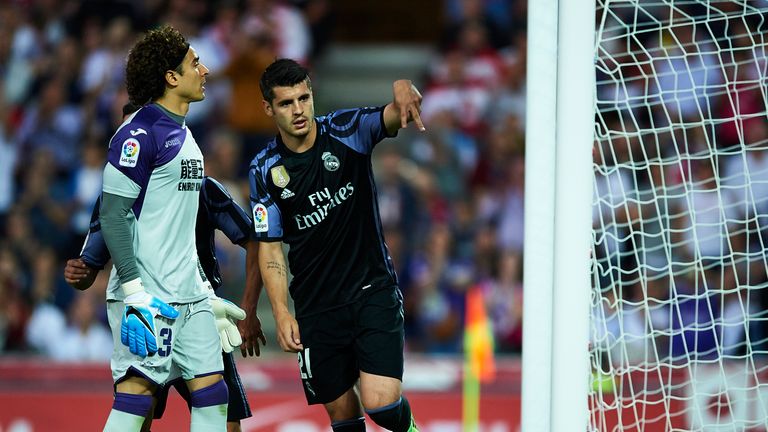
pixel 300 124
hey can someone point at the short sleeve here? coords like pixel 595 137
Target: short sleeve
pixel 131 154
pixel 360 128
pixel 267 220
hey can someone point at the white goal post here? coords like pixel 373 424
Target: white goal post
pixel 558 190
pixel 671 333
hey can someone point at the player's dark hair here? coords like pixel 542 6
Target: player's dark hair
pixel 130 108
pixel 282 73
pixel 160 50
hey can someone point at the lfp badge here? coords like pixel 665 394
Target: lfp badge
pixel 129 154
pixel 260 221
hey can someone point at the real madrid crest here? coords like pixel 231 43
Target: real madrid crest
pixel 280 176
pixel 330 161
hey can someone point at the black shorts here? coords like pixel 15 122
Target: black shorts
pixel 238 407
pixel 364 336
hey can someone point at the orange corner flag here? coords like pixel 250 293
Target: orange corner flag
pixel 478 336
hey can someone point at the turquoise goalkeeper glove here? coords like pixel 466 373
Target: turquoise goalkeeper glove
pixel 137 329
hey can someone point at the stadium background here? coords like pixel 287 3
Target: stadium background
pixel 451 198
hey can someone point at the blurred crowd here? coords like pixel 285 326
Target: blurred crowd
pixel 681 170
pixel 451 199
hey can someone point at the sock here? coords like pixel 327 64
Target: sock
pixel 396 416
pixel 128 412
pixel 352 425
pixel 209 408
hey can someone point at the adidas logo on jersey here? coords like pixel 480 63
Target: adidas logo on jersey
pixel 286 194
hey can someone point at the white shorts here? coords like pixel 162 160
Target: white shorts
pixel 187 347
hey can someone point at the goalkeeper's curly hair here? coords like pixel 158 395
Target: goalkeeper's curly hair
pixel 160 50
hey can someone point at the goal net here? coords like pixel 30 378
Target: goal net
pixel 679 324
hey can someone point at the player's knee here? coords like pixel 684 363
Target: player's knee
pixel 380 397
pixel 377 391
pixel 344 408
pixel 395 416
pixel 234 427
pixel 214 394
pixel 204 381
pixel 135 385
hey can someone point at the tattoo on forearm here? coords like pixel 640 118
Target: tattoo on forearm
pixel 280 268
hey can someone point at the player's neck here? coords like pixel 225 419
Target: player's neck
pixel 174 104
pixel 300 144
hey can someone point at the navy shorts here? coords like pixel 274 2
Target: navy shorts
pixel 364 336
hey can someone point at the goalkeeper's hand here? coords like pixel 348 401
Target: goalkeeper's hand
pixel 227 314
pixel 137 329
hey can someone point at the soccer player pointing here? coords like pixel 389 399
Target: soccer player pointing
pixel 312 188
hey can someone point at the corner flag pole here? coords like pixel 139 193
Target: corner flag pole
pixel 479 364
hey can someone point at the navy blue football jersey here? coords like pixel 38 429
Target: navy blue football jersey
pixel 323 204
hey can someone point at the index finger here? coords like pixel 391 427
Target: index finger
pixel 417 120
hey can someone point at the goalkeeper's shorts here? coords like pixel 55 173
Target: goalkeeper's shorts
pixel 187 347
pixel 365 336
pixel 238 407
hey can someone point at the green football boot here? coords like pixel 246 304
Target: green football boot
pixel 413 427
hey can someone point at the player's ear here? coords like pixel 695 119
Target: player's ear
pixel 171 79
pixel 267 108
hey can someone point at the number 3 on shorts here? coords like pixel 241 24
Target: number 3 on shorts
pixel 304 365
pixel 164 347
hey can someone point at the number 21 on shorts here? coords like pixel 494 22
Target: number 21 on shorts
pixel 304 364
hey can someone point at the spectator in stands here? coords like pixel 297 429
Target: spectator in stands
pixel 689 66
pixel 84 337
pixel 87 185
pixel 438 310
pixel 253 50
pixel 505 303
pixel 285 23
pixel 321 19
pixel 54 125
pixel 14 310
pixel 492 16
pixel 103 69
pixel 8 157
pixel 49 299
pixel 44 200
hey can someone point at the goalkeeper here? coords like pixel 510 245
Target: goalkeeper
pixel 148 209
pixel 217 211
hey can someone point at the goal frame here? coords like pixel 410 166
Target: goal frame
pixel 558 200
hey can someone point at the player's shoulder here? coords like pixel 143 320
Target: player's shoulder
pixel 346 121
pixel 267 156
pixel 141 126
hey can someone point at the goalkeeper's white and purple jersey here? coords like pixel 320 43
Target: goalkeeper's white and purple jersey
pixel 217 211
pixel 156 160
